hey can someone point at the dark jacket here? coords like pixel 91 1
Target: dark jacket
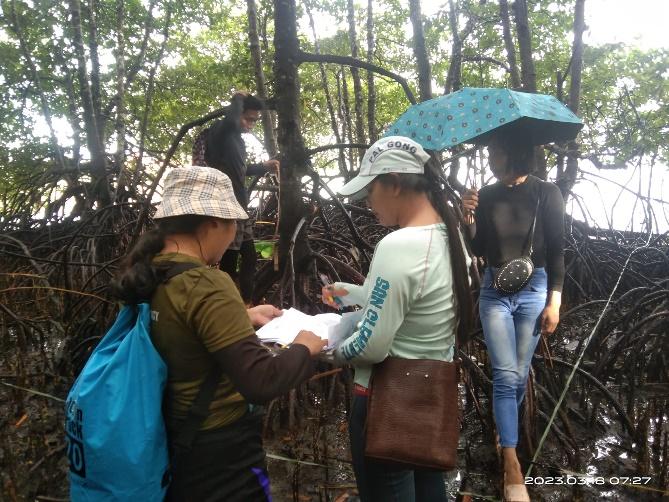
pixel 225 150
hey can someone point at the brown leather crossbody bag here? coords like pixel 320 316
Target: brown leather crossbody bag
pixel 413 415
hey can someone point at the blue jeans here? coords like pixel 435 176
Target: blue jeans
pixel 511 328
pixel 378 482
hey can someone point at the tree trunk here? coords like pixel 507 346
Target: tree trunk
pixel 148 101
pixel 508 43
pixel 328 96
pixel 371 89
pixel 307 57
pixel 345 106
pixel 357 84
pixel 35 77
pixel 575 93
pixel 119 156
pixel 453 82
pixel 95 70
pixel 420 52
pixel 72 179
pixel 73 115
pixel 454 77
pixel 137 64
pixel 294 156
pixel 261 86
pixel 560 156
pixel 528 72
pixel 95 145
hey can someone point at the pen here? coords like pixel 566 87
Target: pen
pixel 469 215
pixel 326 282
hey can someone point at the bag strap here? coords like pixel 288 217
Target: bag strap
pixel 198 411
pixel 176 268
pixel 183 440
pixel 530 238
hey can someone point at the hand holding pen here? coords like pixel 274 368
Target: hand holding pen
pixel 332 296
pixel 470 200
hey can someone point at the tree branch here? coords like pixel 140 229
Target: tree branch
pixel 508 44
pixel 487 59
pixel 308 57
pixel 312 151
pixel 170 153
pixel 139 60
pixel 328 96
pixel 96 90
pixel 420 51
pixel 16 27
pixel 94 135
pixel 149 96
pixel 357 84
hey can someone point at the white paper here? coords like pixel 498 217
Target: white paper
pixel 345 328
pixel 331 327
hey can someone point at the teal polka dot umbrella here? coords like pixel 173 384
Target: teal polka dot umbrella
pixel 471 114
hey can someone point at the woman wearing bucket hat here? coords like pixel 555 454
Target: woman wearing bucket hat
pixel 519 216
pixel 415 298
pixel 199 322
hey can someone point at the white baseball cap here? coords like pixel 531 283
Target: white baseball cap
pixel 392 154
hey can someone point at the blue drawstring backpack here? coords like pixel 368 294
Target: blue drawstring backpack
pixel 115 433
pixel 116 438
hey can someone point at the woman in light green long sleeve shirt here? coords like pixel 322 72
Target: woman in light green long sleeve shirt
pixel 414 301
pixel 409 310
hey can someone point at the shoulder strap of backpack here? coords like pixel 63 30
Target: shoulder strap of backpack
pixel 176 268
pixel 183 440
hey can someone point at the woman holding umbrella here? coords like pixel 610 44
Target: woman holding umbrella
pixel 519 215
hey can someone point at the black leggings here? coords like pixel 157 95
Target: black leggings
pixel 247 268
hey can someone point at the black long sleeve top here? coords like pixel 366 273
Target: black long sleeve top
pixel 225 150
pixel 503 220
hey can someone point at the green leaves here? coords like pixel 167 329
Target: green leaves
pixel 625 101
pixel 265 249
pixel 206 57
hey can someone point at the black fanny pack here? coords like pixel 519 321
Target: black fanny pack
pixel 513 275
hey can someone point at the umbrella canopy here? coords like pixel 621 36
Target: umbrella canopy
pixel 471 114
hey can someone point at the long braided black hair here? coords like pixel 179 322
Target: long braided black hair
pixel 138 278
